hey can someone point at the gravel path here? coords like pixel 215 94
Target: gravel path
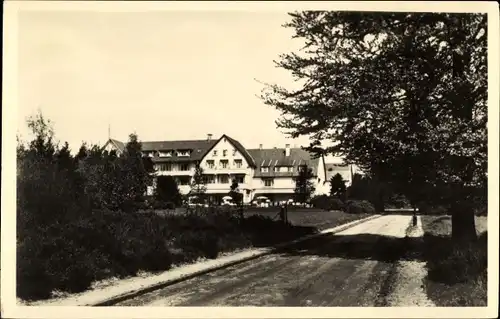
pixel 356 267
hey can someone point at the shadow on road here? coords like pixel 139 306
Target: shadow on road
pixel 360 246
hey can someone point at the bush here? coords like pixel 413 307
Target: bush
pixel 327 203
pixel 158 204
pixel 450 263
pixel 359 207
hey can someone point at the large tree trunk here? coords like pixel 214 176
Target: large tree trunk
pixel 463 223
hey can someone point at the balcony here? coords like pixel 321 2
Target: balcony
pixel 175 173
pixel 226 170
pixel 274 190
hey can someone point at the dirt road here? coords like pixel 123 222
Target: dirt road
pixel 356 267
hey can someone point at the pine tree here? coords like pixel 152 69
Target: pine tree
pixel 337 186
pixel 304 187
pixel 136 172
pixel 198 186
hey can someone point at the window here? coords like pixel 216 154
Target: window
pixel 211 164
pixel 215 153
pixel 264 169
pixel 165 154
pixel 183 153
pixel 240 179
pixel 163 167
pixel 184 180
pixel 224 179
pixel 290 169
pixel 276 169
pixel 268 182
pixel 224 163
pixel 238 163
pixel 224 153
pixel 209 179
pixel 184 167
pixel 234 152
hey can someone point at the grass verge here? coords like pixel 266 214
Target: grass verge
pixel 457 276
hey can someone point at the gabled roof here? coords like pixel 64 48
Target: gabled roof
pixel 276 157
pixel 120 146
pixel 198 149
pixel 248 157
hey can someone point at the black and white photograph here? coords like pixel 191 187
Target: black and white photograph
pixel 182 159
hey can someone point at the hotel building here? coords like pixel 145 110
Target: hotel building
pixel 260 172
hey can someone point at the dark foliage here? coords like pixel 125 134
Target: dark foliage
pixel 167 191
pixel 402 95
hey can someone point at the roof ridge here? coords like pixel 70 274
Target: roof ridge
pixel 274 148
pixel 163 141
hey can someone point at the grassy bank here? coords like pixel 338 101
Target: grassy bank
pixel 70 258
pixel 457 276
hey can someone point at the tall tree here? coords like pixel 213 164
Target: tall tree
pixel 198 184
pixel 136 171
pixel 304 186
pixel 338 187
pixel 403 95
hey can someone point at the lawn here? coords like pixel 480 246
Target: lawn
pixel 456 276
pixel 298 216
pixel 309 217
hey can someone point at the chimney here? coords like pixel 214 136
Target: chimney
pixel 287 149
pixel 209 137
pixel 260 146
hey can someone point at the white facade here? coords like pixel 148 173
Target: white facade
pixel 282 188
pixel 223 163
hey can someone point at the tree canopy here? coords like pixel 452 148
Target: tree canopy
pixel 403 95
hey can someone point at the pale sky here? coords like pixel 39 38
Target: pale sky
pixel 165 75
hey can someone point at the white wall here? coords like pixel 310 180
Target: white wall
pixel 283 184
pixel 321 186
pixel 231 156
pixel 110 147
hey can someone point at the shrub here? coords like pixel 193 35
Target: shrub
pixel 198 244
pixel 336 204
pixel 452 263
pixel 359 207
pixel 326 202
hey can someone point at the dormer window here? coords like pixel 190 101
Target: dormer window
pixel 165 154
pixel 264 169
pixel 182 153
